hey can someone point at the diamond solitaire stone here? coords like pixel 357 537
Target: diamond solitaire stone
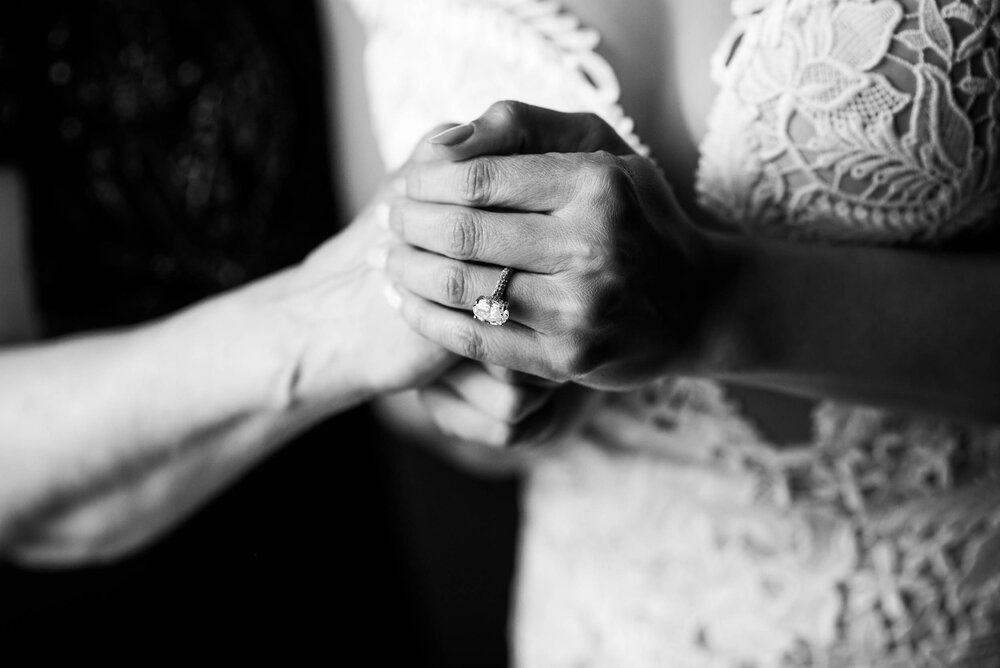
pixel 491 310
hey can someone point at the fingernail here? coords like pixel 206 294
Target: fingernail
pixel 377 257
pixel 392 296
pixel 453 136
pixel 381 214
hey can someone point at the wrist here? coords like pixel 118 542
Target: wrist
pixel 306 350
pixel 253 351
pixel 233 346
pixel 728 340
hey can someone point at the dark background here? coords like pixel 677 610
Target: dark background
pixel 345 544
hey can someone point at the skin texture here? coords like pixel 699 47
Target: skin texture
pixel 113 438
pixel 591 233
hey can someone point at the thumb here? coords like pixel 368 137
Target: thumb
pixel 424 149
pixel 510 127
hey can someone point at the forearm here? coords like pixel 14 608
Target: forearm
pixel 899 328
pixel 113 421
pixel 98 523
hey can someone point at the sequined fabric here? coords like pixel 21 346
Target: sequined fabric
pixel 170 149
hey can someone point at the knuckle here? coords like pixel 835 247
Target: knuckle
pixel 454 284
pixel 607 183
pixel 575 311
pixel 480 179
pixel 464 231
pixel 469 342
pixel 507 111
pixel 609 171
pixel 552 367
pixel 604 158
pixel 580 356
pixel 583 252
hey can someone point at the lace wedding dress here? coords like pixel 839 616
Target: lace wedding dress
pixel 672 533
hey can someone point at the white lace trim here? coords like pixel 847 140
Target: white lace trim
pixel 437 61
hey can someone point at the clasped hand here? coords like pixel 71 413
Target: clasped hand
pixel 610 280
pixel 338 311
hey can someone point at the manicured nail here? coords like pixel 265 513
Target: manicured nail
pixel 392 296
pixel 377 257
pixel 453 136
pixel 381 213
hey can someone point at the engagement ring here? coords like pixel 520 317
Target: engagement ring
pixel 494 309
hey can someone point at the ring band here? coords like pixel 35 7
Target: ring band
pixel 494 309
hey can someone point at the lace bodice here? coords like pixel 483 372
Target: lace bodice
pixel 873 121
pixel 672 533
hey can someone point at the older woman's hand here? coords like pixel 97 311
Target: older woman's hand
pixel 612 283
pixel 493 406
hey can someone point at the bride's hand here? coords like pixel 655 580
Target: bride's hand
pixel 612 283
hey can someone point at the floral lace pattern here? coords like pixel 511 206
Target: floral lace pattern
pixel 875 544
pixel 672 533
pixel 873 121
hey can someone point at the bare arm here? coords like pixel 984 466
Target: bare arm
pixel 111 438
pixel 88 421
pixel 903 329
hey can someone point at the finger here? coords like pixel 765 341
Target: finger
pixel 459 285
pixel 459 419
pixel 541 183
pixel 530 241
pixel 518 377
pixel 509 127
pixel 422 152
pixel 499 399
pixel 511 345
